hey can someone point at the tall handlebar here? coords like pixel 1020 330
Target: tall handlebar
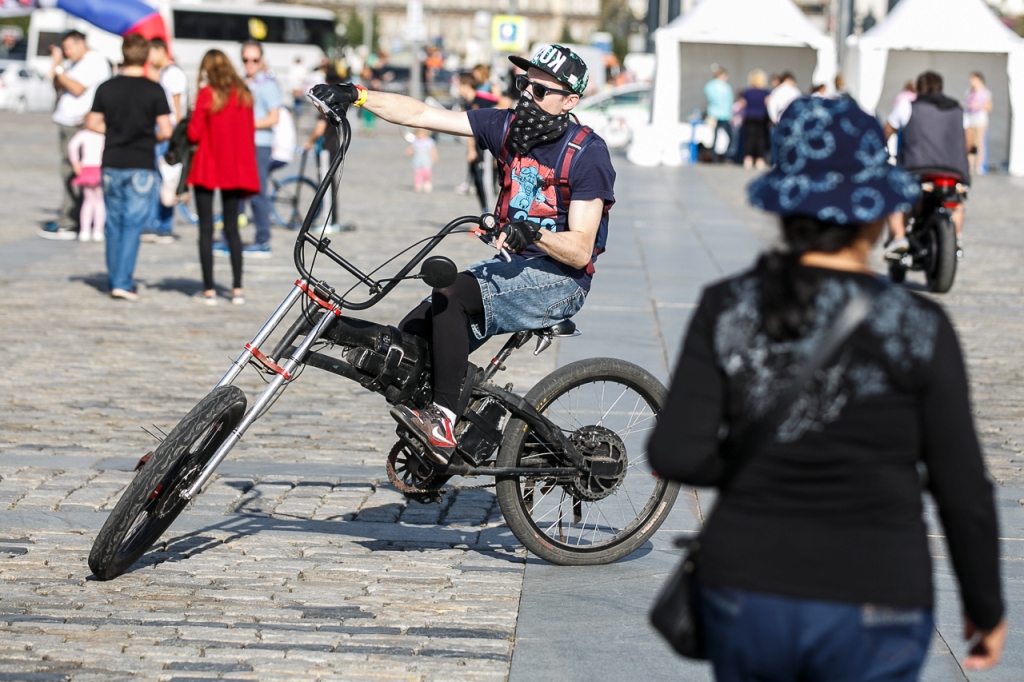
pixel 378 289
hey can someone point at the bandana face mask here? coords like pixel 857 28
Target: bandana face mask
pixel 533 126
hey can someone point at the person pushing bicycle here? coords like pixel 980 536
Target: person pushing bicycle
pixel 557 187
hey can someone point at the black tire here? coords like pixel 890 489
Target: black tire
pixel 152 500
pixel 942 268
pixel 291 199
pixel 897 273
pixel 567 396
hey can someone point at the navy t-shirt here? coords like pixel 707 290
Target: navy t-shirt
pixel 534 196
pixel 755 103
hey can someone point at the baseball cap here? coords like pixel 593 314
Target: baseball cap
pixel 560 63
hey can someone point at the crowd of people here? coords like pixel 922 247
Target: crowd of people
pixel 115 130
pixel 741 119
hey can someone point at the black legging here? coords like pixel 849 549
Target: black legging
pixel 476 170
pixel 755 138
pixel 204 207
pixel 444 321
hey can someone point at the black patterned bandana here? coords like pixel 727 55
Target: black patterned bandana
pixel 532 126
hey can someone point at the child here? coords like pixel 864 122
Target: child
pixel 85 151
pixel 424 155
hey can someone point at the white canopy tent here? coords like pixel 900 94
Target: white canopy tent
pixel 739 35
pixel 953 38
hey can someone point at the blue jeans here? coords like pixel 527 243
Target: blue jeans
pixel 524 294
pixel 759 637
pixel 260 202
pixel 127 193
pixel 161 218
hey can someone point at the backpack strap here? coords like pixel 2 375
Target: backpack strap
pixel 561 179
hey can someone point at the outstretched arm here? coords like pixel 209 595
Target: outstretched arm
pixel 399 109
pixel 408 111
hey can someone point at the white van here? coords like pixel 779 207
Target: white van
pixel 288 33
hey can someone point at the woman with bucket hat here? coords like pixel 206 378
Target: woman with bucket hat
pixel 819 400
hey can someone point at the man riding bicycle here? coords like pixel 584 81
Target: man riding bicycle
pixel 557 187
pixel 931 139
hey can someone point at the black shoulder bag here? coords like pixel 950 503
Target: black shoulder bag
pixel 674 614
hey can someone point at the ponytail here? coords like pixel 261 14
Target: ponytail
pixel 787 290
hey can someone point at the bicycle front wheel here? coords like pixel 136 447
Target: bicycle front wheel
pixel 290 199
pixel 153 499
pixel 607 408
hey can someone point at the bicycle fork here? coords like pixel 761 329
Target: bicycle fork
pixel 284 373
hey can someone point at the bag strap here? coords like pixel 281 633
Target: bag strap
pixel 760 431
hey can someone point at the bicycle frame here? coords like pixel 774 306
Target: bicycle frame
pixel 331 305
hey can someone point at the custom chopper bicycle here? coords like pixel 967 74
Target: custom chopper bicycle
pixel 567 459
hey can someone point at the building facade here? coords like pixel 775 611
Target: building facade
pixel 464 26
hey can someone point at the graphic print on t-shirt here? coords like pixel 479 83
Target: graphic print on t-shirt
pixel 533 194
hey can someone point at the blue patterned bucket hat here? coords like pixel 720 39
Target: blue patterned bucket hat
pixel 831 163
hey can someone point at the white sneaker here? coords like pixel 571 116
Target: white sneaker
pixel 124 294
pixel 97 236
pixel 201 297
pixel 83 236
pixel 462 188
pixel 897 247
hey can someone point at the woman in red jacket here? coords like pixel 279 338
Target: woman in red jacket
pixel 225 159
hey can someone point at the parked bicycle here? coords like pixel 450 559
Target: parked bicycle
pixel 567 458
pixel 290 198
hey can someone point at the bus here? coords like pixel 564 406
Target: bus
pixel 290 34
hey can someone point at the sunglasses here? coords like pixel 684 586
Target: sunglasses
pixel 252 61
pixel 539 91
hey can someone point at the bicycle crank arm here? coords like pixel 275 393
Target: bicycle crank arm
pixel 266 399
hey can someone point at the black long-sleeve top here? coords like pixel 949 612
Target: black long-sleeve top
pixel 830 507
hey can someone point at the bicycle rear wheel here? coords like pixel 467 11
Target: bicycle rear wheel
pixel 290 199
pixel 153 499
pixel 607 408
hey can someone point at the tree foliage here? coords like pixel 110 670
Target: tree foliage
pixel 618 19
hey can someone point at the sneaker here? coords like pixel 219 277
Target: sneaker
pixel 897 247
pixel 98 236
pixel 166 238
pixel 204 298
pixel 83 236
pixel 430 426
pixel 221 249
pixel 57 233
pixel 237 299
pixel 462 188
pixel 124 294
pixel 148 237
pixel 959 249
pixel 257 251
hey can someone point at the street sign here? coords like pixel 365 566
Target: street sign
pixel 415 28
pixel 508 33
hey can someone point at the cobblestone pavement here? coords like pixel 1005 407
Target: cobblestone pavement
pixel 300 560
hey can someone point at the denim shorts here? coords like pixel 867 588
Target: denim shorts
pixel 522 295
